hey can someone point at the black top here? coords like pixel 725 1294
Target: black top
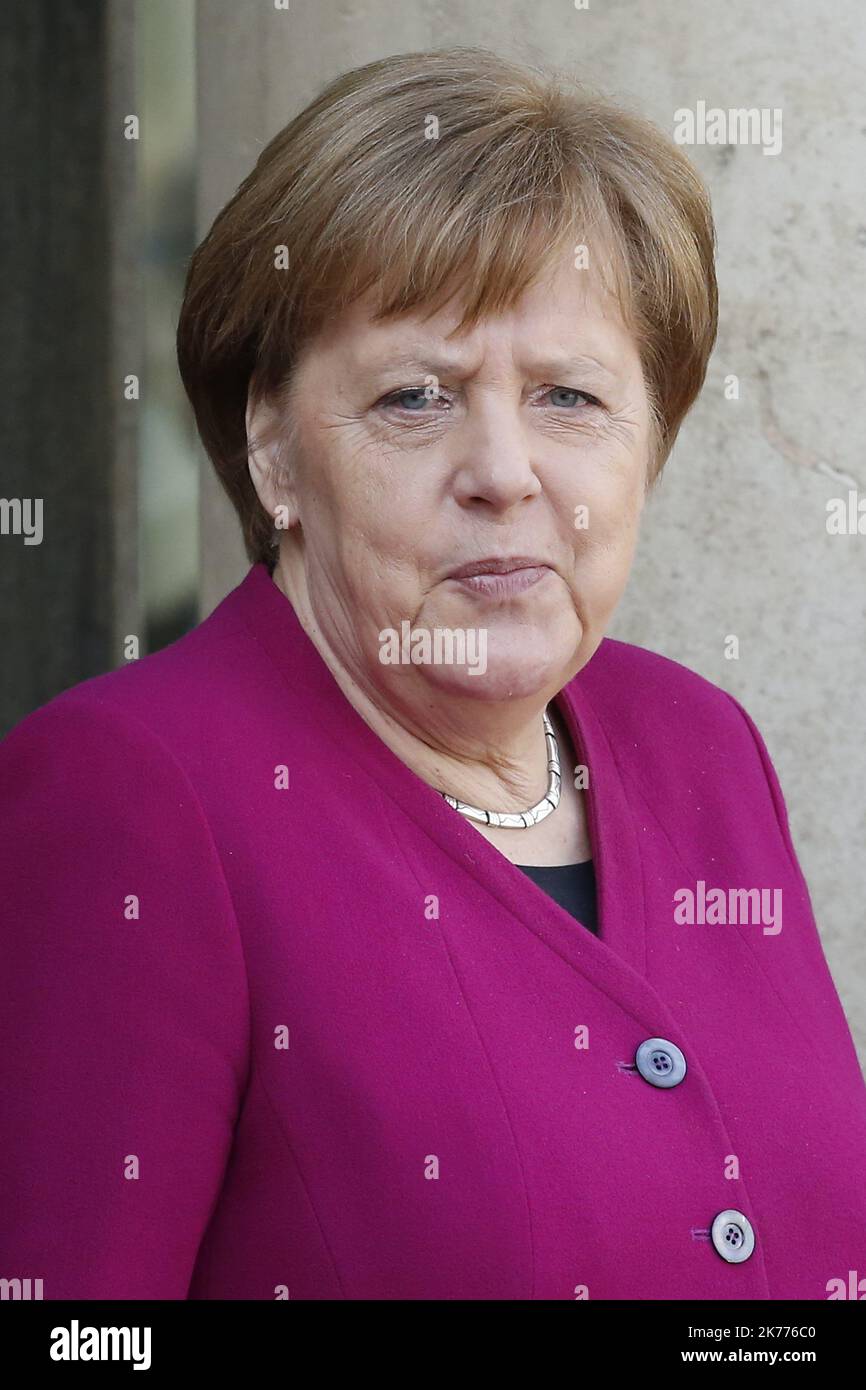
pixel 571 885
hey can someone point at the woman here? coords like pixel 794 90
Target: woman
pixel 308 991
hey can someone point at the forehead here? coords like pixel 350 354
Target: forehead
pixel 567 314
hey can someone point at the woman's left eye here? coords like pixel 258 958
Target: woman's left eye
pixel 571 391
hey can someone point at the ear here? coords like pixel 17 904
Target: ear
pixel 266 461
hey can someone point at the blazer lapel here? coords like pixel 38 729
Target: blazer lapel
pixel 615 960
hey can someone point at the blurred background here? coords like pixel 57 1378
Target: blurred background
pixel 126 124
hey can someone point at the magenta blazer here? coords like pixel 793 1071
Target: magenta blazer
pixel 278 1022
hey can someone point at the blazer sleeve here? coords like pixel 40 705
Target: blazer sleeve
pixel 124 1014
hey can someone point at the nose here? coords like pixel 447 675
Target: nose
pixel 495 464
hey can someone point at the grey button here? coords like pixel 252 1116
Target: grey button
pixel 733 1236
pixel 660 1062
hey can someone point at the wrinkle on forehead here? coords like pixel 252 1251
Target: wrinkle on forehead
pixel 548 324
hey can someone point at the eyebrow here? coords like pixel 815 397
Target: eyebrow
pixel 550 365
pixel 566 363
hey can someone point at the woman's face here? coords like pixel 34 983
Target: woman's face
pixel 535 446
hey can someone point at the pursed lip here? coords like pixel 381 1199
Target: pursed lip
pixel 498 564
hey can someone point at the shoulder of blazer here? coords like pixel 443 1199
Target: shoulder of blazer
pixel 673 731
pixel 157 698
pixel 86 758
pixel 634 690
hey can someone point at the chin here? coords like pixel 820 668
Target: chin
pixel 507 669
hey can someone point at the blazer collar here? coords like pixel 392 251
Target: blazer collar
pixel 616 959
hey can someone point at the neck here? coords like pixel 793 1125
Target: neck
pixel 488 754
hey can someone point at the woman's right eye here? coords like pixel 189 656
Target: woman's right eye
pixel 418 396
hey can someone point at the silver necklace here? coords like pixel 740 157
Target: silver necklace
pixel 521 819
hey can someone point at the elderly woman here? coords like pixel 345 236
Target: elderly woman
pixel 395 934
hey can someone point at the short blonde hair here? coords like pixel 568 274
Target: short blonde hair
pixel 523 163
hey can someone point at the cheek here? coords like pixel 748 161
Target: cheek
pixel 604 547
pixel 391 510
pixel 378 555
pixel 377 490
pixel 605 509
